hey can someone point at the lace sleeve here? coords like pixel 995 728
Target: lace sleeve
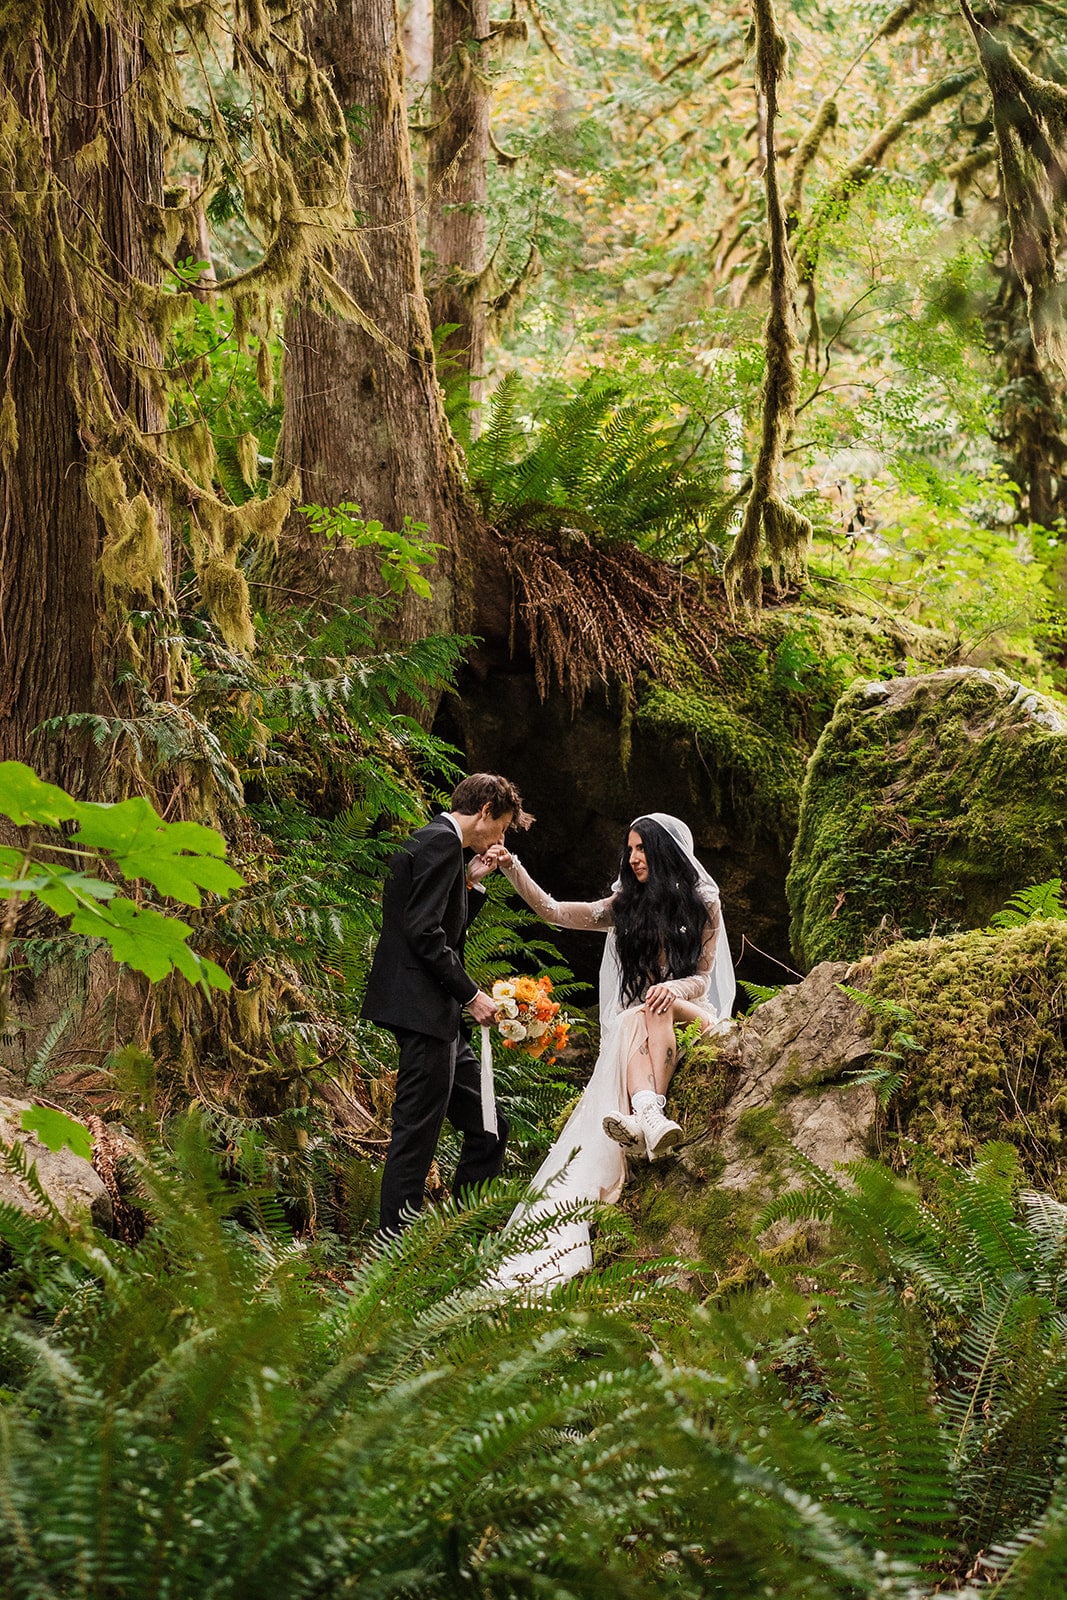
pixel 594 915
pixel 695 986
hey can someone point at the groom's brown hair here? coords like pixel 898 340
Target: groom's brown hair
pixel 490 789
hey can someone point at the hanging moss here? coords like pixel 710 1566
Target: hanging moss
pixel 224 589
pixel 9 427
pixel 989 1013
pixel 928 802
pixel 87 210
pixel 131 563
pixel 771 531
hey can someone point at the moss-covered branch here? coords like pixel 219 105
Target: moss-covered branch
pixel 771 529
pixel 1030 120
pixel 867 163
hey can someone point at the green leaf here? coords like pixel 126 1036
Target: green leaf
pixel 55 1129
pixel 148 941
pixel 177 858
pixel 25 798
pixel 63 890
pixel 25 885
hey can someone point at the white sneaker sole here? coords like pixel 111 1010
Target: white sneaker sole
pixel 621 1134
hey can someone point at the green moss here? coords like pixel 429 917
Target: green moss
pixel 756 722
pixel 676 1207
pixel 800 1073
pixel 758 1131
pixel 754 770
pixel 990 1016
pixel 928 814
pixel 699 1088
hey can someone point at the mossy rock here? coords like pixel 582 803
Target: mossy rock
pixel 929 801
pixel 968 1034
pixel 983 1055
pixel 756 723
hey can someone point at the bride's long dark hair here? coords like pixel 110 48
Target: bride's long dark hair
pixel 659 925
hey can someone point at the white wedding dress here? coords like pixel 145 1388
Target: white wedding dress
pixel 584 1164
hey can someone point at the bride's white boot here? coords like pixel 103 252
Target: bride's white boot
pixel 626 1131
pixel 661 1134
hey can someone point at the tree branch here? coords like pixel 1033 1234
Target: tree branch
pixel 771 528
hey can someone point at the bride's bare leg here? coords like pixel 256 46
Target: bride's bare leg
pixel 648 1072
pixel 652 1064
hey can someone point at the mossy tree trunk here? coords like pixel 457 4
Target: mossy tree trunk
pixel 1033 410
pixel 364 419
pixel 99 166
pixel 457 187
pixel 771 530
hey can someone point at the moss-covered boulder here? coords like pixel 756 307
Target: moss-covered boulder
pixel 974 1030
pixel 929 801
pixel 936 1045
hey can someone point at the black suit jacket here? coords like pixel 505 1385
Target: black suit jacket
pixel 417 979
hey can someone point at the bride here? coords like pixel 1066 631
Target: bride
pixel 666 960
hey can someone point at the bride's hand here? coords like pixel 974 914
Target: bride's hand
pixel 480 867
pixel 499 855
pixel 659 998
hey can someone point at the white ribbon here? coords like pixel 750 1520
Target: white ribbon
pixel 488 1092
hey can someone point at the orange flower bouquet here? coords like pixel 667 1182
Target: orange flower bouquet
pixel 529 1017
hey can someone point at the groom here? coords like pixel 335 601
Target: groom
pixel 418 988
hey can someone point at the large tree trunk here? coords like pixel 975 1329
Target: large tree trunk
pixel 456 184
pixel 364 420
pixel 52 654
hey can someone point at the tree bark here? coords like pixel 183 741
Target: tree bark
pixel 1032 429
pixel 456 184
pixel 364 419
pixel 52 650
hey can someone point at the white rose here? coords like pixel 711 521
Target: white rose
pixel 537 1029
pixel 503 989
pixel 508 1008
pixel 512 1030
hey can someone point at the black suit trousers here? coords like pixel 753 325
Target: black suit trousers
pixel 436 1078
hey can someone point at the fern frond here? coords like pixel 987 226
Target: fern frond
pixel 1039 902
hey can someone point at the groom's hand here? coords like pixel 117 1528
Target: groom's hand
pixel 482 1009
